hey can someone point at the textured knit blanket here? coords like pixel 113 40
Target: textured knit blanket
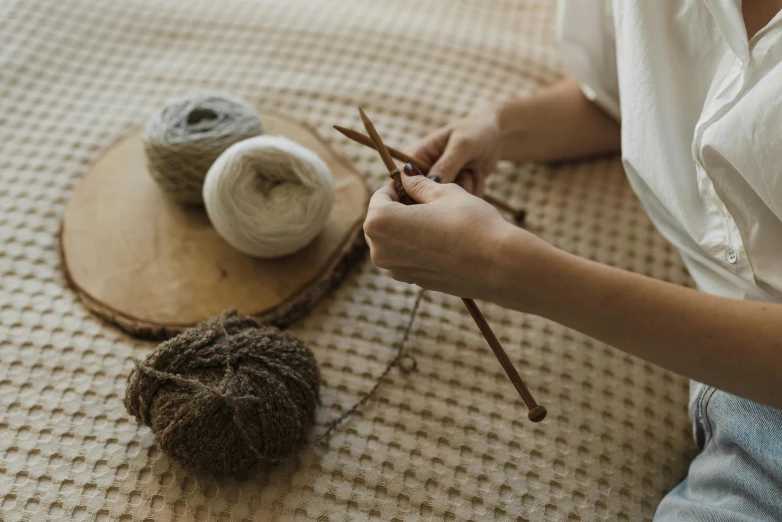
pixel 449 441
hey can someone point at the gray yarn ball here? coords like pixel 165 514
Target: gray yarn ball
pixel 227 394
pixel 186 135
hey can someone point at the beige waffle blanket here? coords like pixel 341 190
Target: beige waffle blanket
pixel 448 442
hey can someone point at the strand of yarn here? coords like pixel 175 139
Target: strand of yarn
pixel 268 196
pixel 186 135
pixel 398 361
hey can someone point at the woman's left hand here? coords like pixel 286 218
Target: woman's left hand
pixel 450 242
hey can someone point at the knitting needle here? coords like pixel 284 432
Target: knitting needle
pixel 398 154
pixel 518 215
pixel 379 146
pixel 536 412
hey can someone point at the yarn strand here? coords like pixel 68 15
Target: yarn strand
pixel 396 361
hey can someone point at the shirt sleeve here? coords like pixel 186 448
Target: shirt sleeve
pixel 586 37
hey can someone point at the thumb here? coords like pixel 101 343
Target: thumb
pixel 454 158
pixel 418 186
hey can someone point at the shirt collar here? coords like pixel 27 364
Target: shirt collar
pixel 730 20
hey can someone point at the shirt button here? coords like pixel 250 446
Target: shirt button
pixel 732 255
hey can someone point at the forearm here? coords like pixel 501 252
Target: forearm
pixel 733 345
pixel 556 124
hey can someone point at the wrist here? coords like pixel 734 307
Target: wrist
pixel 513 117
pixel 523 272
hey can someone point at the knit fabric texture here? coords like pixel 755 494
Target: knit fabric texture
pixel 449 441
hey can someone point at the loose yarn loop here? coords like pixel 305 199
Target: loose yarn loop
pixel 186 135
pixel 268 196
pixel 227 394
pixel 404 361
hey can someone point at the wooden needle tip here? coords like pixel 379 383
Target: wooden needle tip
pixel 537 414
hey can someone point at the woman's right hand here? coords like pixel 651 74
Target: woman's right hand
pixel 466 151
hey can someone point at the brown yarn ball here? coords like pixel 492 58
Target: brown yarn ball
pixel 227 394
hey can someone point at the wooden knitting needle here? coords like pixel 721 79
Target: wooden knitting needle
pixel 518 215
pixel 536 412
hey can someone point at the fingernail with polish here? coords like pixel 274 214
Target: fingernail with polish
pixel 409 169
pixel 435 178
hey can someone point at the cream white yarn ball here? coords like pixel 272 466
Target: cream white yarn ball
pixel 268 196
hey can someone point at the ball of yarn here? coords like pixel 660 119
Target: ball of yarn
pixel 226 395
pixel 186 135
pixel 268 196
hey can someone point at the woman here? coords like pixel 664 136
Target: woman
pixel 690 91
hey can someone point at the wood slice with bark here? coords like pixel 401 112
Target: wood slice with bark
pixel 155 267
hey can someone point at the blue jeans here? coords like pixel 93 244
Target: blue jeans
pixel 737 476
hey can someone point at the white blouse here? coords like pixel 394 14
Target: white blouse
pixel 701 114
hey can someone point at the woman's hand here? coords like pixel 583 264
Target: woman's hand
pixel 465 152
pixel 456 243
pixel 451 242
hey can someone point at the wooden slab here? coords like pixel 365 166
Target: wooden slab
pixel 155 267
